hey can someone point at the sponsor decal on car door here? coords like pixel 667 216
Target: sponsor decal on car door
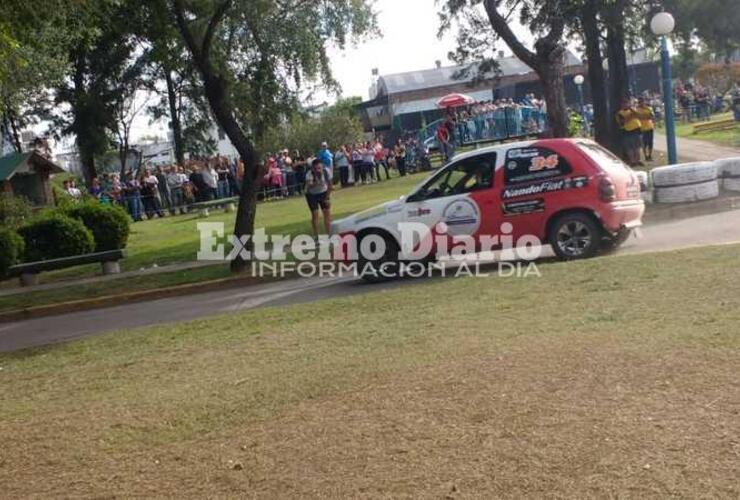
pixel 531 176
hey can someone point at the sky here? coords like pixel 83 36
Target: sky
pixel 409 42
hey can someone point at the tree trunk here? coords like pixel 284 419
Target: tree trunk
pixel 82 122
pixel 596 75
pixel 550 69
pixel 87 152
pixel 87 158
pixel 617 61
pixel 216 93
pixel 554 92
pixel 122 155
pixel 175 124
pixel 16 136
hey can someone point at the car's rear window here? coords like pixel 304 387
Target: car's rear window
pixel 604 158
pixel 531 164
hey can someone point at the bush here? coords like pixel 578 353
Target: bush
pixel 54 236
pixel 14 210
pixel 109 224
pixel 11 249
pixel 62 199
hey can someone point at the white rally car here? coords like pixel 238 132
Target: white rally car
pixel 570 193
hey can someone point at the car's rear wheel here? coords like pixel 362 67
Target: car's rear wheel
pixel 575 236
pixel 377 269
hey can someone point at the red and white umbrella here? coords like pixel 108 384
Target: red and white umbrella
pixel 455 100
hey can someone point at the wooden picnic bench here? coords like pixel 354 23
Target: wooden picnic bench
pixel 229 204
pixel 29 271
pixel 715 125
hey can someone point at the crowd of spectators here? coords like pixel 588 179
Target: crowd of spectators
pixel 152 191
pixel 698 103
pixel 486 121
pixel 355 164
pixel 500 119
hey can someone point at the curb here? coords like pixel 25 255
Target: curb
pixel 131 297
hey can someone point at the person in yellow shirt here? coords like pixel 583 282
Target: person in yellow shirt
pixel 647 126
pixel 630 125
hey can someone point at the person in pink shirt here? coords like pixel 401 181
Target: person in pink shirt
pixel 381 159
pixel 273 179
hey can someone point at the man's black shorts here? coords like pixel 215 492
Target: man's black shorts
pixel 318 200
pixel 647 139
pixel 632 139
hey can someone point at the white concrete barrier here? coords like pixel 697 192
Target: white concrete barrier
pixel 684 173
pixel 687 193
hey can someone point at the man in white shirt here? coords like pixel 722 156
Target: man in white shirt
pixel 150 195
pixel 72 190
pixel 175 180
pixel 210 178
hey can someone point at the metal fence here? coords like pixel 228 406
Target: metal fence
pixel 500 124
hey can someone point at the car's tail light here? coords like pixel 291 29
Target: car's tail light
pixel 607 192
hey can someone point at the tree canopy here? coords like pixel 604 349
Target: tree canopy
pixel 714 22
pixel 303 131
pixel 481 23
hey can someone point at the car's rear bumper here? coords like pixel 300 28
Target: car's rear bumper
pixel 623 215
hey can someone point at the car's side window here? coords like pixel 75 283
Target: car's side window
pixel 533 164
pixel 465 176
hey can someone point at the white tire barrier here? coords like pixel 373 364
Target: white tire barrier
pixel 731 183
pixel 683 174
pixel 728 167
pixel 687 193
pixel 729 170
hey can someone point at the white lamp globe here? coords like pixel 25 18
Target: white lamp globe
pixel 578 79
pixel 662 23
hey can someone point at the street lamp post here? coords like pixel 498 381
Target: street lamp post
pixel 578 80
pixel 662 25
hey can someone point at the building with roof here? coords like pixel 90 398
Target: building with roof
pixel 28 175
pixel 407 101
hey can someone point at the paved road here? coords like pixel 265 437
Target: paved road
pixel 698 231
pixel 696 149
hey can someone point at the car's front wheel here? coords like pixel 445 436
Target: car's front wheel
pixel 575 236
pixel 374 265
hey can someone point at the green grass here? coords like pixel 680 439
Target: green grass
pixel 730 137
pixel 106 288
pixel 176 239
pixel 606 378
pixel 168 240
